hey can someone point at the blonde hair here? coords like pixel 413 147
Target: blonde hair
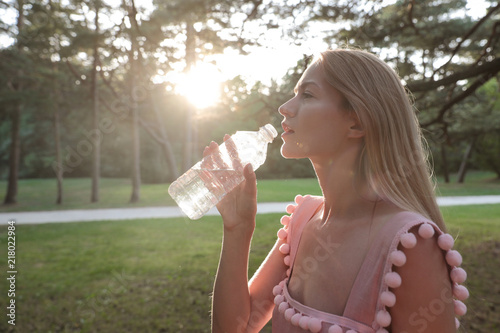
pixel 393 160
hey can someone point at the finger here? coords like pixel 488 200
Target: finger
pixel 206 151
pixel 217 161
pixel 250 179
pixel 208 162
pixel 249 173
pixel 227 136
pixel 210 148
pixel 233 152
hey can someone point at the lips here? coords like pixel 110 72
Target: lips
pixel 286 128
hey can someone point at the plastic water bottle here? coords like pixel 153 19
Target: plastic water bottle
pixel 209 180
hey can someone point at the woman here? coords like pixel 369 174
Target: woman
pixel 370 255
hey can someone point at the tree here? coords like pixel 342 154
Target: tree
pixel 57 136
pixel 487 149
pixel 158 131
pixel 96 164
pixel 441 53
pixel 16 86
pixel 434 45
pixel 56 31
pixel 477 122
pixel 201 21
pixel 136 169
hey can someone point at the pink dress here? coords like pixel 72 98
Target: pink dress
pixel 366 310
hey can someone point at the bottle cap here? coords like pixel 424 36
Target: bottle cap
pixel 270 131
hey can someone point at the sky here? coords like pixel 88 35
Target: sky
pixel 271 60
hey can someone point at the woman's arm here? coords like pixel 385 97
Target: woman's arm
pixel 231 304
pixel 237 305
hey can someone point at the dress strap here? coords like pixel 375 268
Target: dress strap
pixel 305 211
pixel 300 214
pixel 362 301
pixel 371 295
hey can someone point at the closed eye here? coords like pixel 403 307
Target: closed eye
pixel 306 95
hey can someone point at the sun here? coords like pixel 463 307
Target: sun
pixel 201 85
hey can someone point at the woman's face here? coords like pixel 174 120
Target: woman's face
pixel 315 124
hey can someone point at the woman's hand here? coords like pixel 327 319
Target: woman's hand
pixel 239 207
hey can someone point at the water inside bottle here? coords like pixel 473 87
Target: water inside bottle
pixel 207 182
pixel 206 188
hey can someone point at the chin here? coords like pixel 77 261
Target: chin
pixel 290 154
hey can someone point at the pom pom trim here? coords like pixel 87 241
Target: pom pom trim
pixel 398 258
pixel 335 329
pixel 426 231
pixel 446 242
pixel 408 240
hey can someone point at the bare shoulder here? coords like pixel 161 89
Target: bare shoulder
pixel 424 298
pixel 385 212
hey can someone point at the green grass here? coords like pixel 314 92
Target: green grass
pixel 476 183
pixel 477 232
pixel 125 276
pixel 157 275
pixel 40 194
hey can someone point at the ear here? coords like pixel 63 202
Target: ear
pixel 356 130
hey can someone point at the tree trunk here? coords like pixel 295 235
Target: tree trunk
pixel 14 157
pixel 59 172
pixel 188 145
pixel 96 162
pixel 166 145
pixel 463 166
pixel 494 166
pixel 57 138
pixel 136 162
pixel 190 62
pixel 446 172
pixel 15 145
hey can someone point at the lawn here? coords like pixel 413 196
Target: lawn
pixel 40 194
pixel 476 183
pixel 157 275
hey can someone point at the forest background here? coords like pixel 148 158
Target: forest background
pixel 96 92
pixel 87 86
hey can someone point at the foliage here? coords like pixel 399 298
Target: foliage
pixel 488 148
pixel 441 53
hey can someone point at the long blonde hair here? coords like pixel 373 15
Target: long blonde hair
pixel 393 160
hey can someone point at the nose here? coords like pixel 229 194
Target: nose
pixel 287 109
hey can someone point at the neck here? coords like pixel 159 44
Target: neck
pixel 346 197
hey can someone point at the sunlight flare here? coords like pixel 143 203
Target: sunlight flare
pixel 201 85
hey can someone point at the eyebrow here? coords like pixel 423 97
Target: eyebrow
pixel 303 85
